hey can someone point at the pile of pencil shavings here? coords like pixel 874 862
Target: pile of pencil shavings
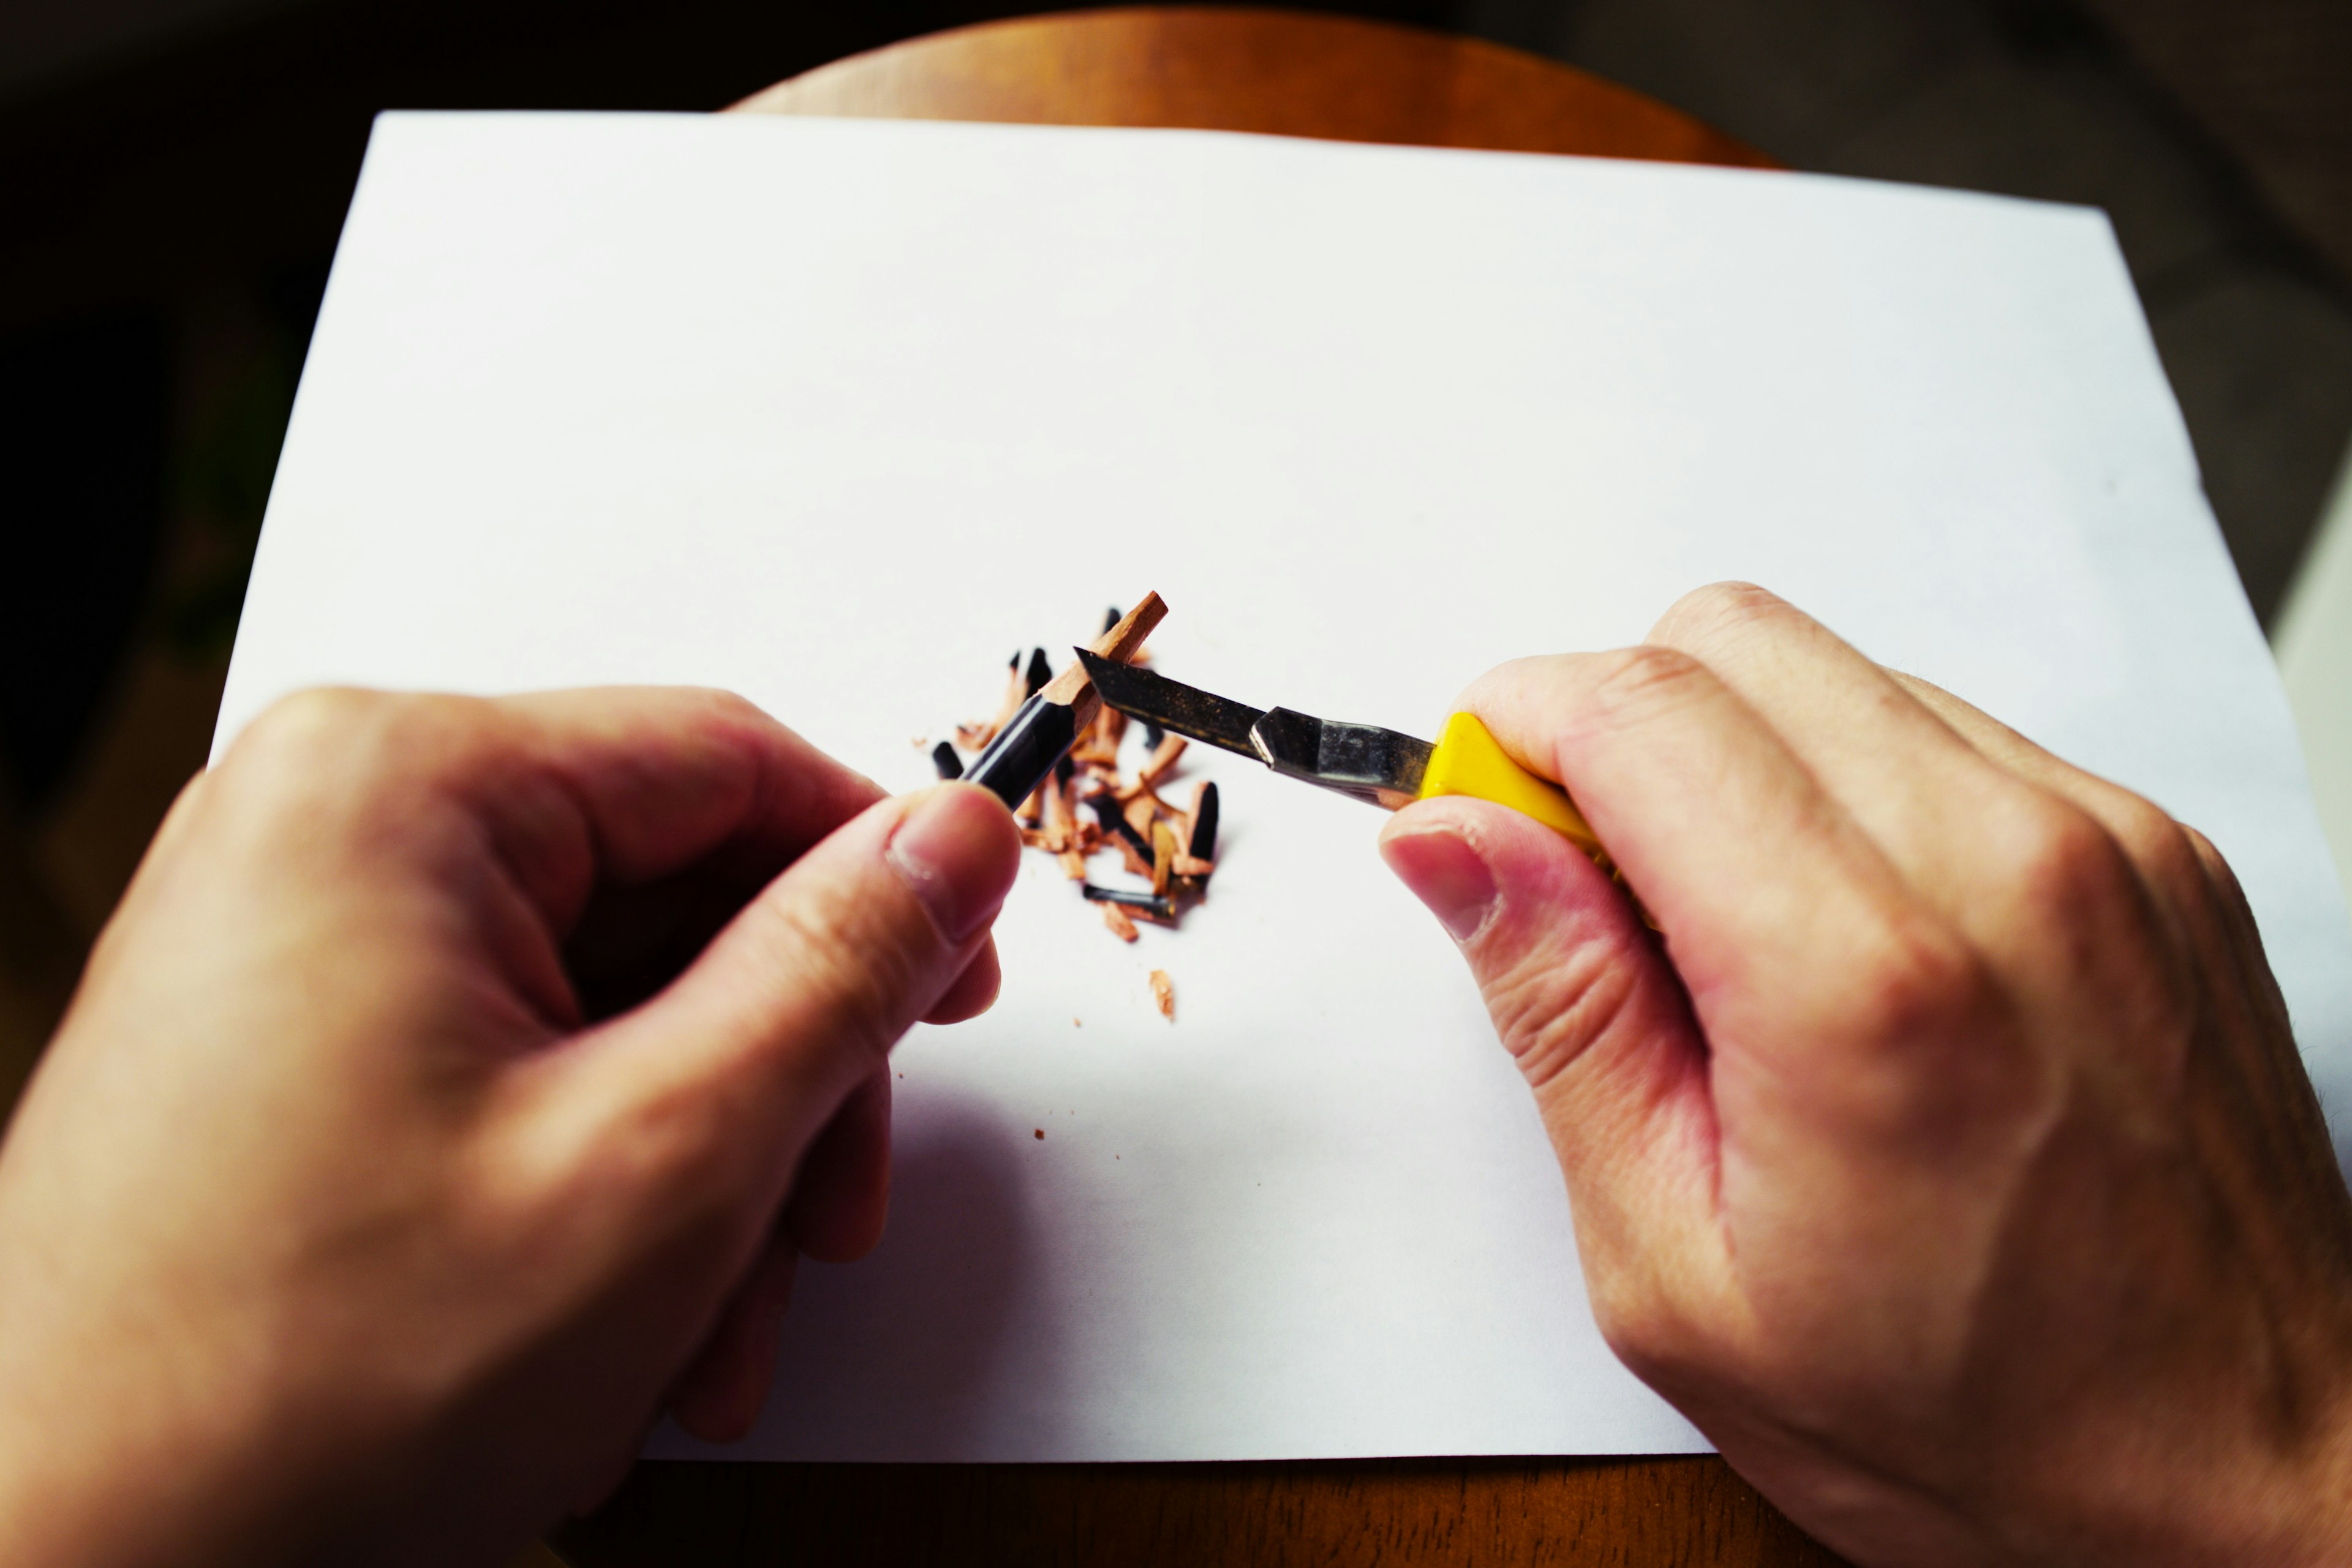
pixel 1087 806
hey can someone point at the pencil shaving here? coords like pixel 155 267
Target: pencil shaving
pixel 1088 805
pixel 1163 856
pixel 976 737
pixel 1163 757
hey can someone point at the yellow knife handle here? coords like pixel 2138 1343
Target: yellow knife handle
pixel 1469 761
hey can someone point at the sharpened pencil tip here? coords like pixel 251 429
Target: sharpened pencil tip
pixel 1205 824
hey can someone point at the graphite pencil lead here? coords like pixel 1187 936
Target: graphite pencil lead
pixel 1203 846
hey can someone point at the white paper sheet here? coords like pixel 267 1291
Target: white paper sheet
pixel 837 414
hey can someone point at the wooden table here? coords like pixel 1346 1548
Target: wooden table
pixel 1297 75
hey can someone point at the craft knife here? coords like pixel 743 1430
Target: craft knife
pixel 1379 766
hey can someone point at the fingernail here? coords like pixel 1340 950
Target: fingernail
pixel 1446 874
pixel 955 848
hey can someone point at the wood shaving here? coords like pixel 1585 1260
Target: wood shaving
pixel 1059 818
pixel 1100 747
pixel 1163 757
pixel 1163 856
pixel 975 737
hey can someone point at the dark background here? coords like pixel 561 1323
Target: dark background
pixel 172 175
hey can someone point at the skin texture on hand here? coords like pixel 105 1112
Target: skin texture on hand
pixel 1944 1153
pixel 452 1091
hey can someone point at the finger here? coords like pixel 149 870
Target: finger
pixel 1750 870
pixel 622 784
pixel 1837 1005
pixel 659 780
pixel 2296 1174
pixel 2164 856
pixel 630 942
pixel 2189 887
pixel 2005 862
pixel 1933 804
pixel 2258 987
pixel 841 1198
pixel 719 1396
pixel 1587 1007
pixel 975 991
pixel 2158 846
pixel 719 1083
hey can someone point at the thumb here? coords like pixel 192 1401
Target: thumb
pixel 749 1054
pixel 1586 1002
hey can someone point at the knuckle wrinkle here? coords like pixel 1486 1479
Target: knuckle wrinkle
pixel 1638 683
